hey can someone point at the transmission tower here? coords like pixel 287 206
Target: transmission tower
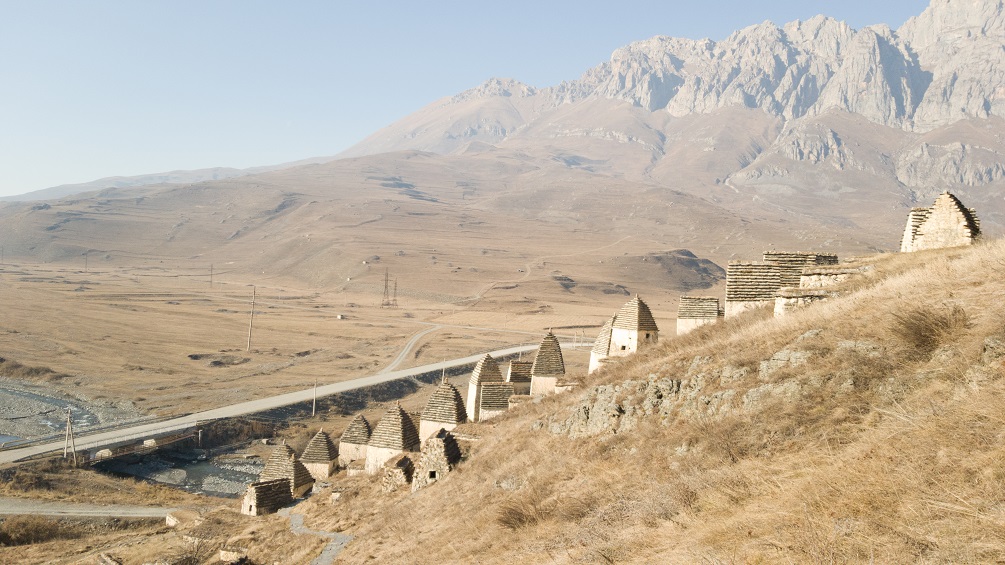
pixel 385 301
pixel 394 299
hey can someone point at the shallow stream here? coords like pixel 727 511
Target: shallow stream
pixel 219 476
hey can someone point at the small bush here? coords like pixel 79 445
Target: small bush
pixel 29 481
pixel 925 329
pixel 522 511
pixel 14 370
pixel 26 530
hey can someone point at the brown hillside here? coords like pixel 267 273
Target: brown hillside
pixel 863 429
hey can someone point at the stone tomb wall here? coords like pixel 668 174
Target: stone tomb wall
pixel 439 456
pixel 542 385
pixel 791 299
pixel 750 284
pixel 429 428
pixel 947 223
pixel 349 452
pixel 397 473
pixel 266 497
pixel 696 311
pixel 824 277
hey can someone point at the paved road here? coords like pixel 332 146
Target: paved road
pixel 407 349
pixel 142 431
pixel 11 506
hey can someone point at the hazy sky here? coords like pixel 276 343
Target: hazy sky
pixel 102 88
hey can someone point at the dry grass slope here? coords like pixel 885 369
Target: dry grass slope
pixel 867 428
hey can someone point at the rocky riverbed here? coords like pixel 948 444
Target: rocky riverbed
pixel 29 410
pixel 218 476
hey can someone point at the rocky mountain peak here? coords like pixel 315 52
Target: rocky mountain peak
pixel 949 21
pixel 944 67
pixel 497 87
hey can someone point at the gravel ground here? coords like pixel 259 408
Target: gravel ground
pixel 28 410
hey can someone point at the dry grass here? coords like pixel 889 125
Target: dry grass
pixel 926 328
pixel 56 479
pixel 14 370
pixel 886 452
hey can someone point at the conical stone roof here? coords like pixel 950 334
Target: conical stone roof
pixel 396 430
pixel 636 316
pixel 283 464
pixel 486 371
pixel 320 449
pixel 549 359
pixel 445 406
pixel 602 346
pixel 358 432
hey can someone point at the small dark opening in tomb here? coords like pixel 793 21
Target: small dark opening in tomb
pixel 432 474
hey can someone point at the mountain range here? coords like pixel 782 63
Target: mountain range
pixel 809 134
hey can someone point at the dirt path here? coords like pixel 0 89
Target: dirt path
pixel 11 506
pixel 336 543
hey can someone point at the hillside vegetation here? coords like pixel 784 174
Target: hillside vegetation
pixel 866 428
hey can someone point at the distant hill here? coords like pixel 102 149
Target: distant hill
pixel 171 177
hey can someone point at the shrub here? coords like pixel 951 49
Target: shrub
pixel 519 512
pixel 25 530
pixel 925 329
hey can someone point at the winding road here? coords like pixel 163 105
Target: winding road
pixel 144 431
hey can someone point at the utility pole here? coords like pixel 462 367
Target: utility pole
pixel 69 444
pixel 251 322
pixel 314 407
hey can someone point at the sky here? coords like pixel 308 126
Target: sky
pixel 104 88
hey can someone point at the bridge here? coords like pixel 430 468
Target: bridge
pixel 148 436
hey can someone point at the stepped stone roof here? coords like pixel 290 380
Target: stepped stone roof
pixel 549 361
pixel 495 396
pixel 487 370
pixel 519 371
pixel 636 316
pixel 949 199
pixel 445 405
pixel 358 432
pixel 269 496
pixel 698 307
pixel 396 430
pixel 283 464
pixel 602 346
pixel 947 223
pixel 752 281
pixel 792 263
pixel 320 449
